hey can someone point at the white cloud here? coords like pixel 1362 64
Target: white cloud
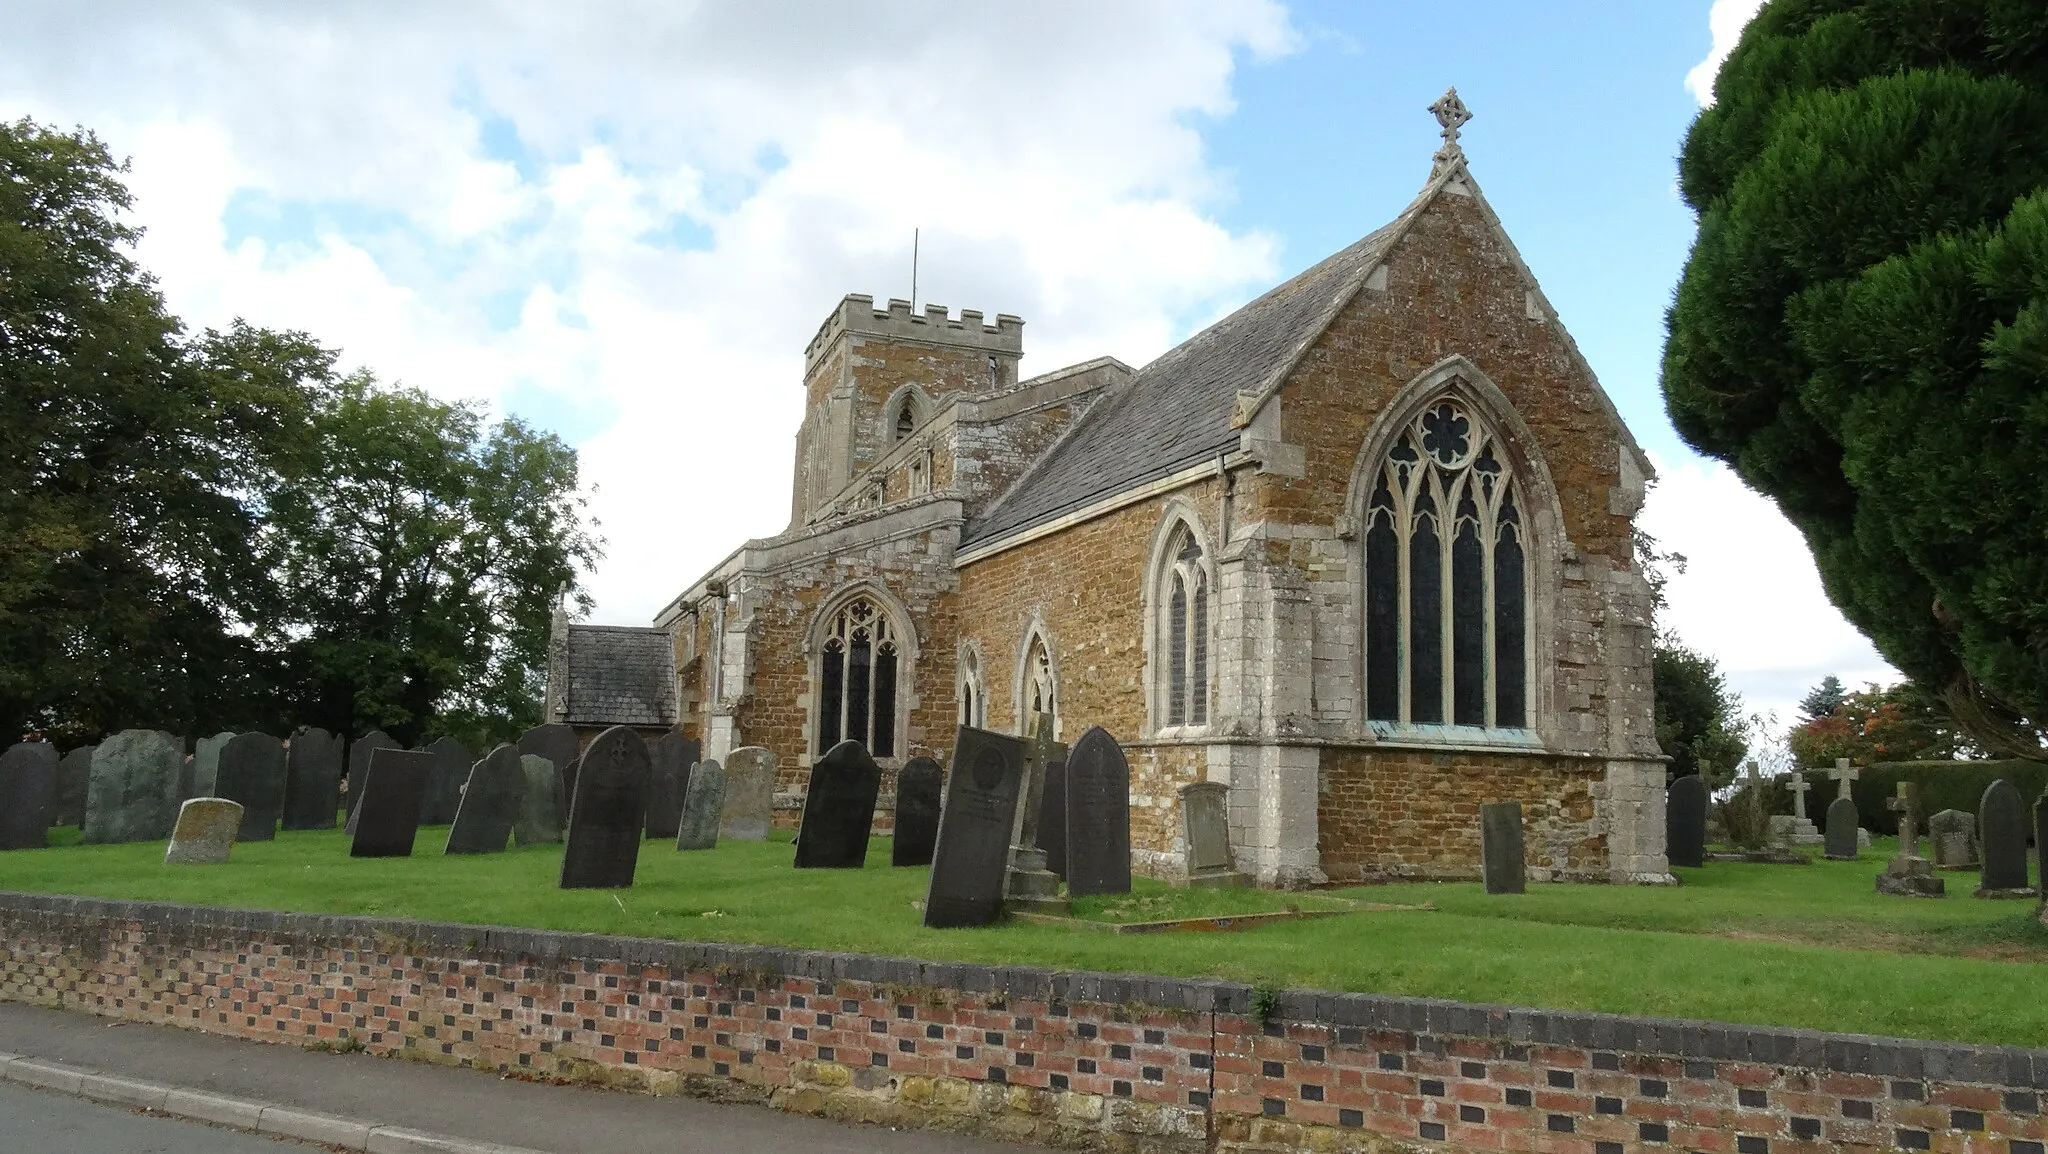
pixel 1726 20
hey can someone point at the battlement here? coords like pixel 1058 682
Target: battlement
pixel 856 313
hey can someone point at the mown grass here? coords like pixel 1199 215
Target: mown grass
pixel 1773 945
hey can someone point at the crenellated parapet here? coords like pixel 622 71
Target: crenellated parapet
pixel 856 313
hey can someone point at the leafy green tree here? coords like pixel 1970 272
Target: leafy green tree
pixel 1823 699
pixel 1699 719
pixel 1862 327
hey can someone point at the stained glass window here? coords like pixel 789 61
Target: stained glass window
pixel 1184 628
pixel 857 680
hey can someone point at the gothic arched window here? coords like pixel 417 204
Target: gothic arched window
pixel 973 701
pixel 1184 631
pixel 857 679
pixel 906 420
pixel 1041 687
pixel 1446 578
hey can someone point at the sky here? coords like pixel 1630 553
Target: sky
pixel 622 221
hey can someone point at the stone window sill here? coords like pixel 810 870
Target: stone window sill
pixel 1454 736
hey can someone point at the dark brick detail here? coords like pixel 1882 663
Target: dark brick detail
pixel 1913 1140
pixel 1653 1132
pixel 1752 1099
pixel 1520 1098
pixel 1434 1131
pixel 1473 1114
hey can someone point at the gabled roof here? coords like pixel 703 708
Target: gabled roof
pixel 620 675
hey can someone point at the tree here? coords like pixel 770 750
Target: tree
pixel 1699 720
pixel 1902 723
pixel 1823 699
pixel 1862 326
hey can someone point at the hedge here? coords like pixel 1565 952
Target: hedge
pixel 1943 785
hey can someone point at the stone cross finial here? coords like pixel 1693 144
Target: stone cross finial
pixel 1798 785
pixel 1907 806
pixel 1843 775
pixel 1453 115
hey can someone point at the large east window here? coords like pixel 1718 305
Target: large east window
pixel 857 680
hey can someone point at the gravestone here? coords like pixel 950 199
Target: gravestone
pixel 1685 822
pixel 452 762
pixel 1952 838
pixel 490 803
pixel 540 805
pixel 1843 837
pixel 251 772
pixel 1098 789
pixel 205 832
pixel 1500 847
pixel 359 768
pixel 839 809
pixel 1909 874
pixel 972 854
pixel 74 775
pixel 1031 887
pixel 1800 829
pixel 917 813
pixel 1205 825
pixel 749 795
pixel 389 817
pixel 1052 819
pixel 703 806
pixel 133 791
pixel 28 794
pixel 2041 842
pixel 672 755
pixel 312 791
pixel 1844 773
pixel 558 744
pixel 2002 822
pixel 206 765
pixel 608 813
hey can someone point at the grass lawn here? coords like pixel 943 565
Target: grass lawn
pixel 1773 945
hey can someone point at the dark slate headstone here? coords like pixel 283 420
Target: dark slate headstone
pixel 839 809
pixel 452 761
pixel 1052 814
pixel 74 775
pixel 28 794
pixel 1098 816
pixel 2041 842
pixel 359 768
pixel 312 791
pixel 390 815
pixel 133 791
pixel 917 812
pixel 490 803
pixel 610 810
pixel 2002 824
pixel 703 806
pixel 1500 847
pixel 1842 843
pixel 1685 822
pixel 558 744
pixel 673 755
pixel 250 770
pixel 972 856
pixel 540 806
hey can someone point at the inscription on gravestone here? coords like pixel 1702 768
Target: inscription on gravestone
pixel 540 804
pixel 312 792
pixel 490 803
pixel 1685 822
pixel 1500 847
pixel 359 769
pixel 392 791
pixel 917 813
pixel 251 771
pixel 1842 844
pixel 452 762
pixel 205 832
pixel 839 809
pixel 673 755
pixel 74 775
pixel 703 807
pixel 28 794
pixel 2002 823
pixel 1052 817
pixel 133 792
pixel 609 812
pixel 972 855
pixel 749 794
pixel 1098 789
pixel 558 744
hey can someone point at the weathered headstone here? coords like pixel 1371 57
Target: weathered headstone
pixel 558 744
pixel 1501 859
pixel 1909 874
pixel 540 805
pixel 1800 830
pixel 972 854
pixel 1205 825
pixel 250 770
pixel 359 769
pixel 133 792
pixel 703 807
pixel 839 809
pixel 312 791
pixel 1031 887
pixel 2002 822
pixel 205 832
pixel 28 794
pixel 74 776
pixel 389 817
pixel 206 765
pixel 672 755
pixel 1052 818
pixel 609 812
pixel 1844 773
pixel 1843 841
pixel 490 803
pixel 1952 838
pixel 452 762
pixel 1098 788
pixel 749 794
pixel 1685 822
pixel 917 813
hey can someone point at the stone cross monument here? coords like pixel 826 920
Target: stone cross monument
pixel 1909 874
pixel 1843 775
pixel 1799 785
pixel 1032 887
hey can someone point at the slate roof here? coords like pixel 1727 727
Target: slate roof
pixel 1176 411
pixel 621 675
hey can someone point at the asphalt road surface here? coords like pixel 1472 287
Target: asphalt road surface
pixel 46 1123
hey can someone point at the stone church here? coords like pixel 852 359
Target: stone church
pixel 1361 550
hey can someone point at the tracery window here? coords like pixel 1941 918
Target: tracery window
pixel 1446 578
pixel 1041 688
pixel 1185 631
pixel 857 680
pixel 973 703
pixel 906 420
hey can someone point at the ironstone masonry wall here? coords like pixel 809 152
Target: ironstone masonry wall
pixel 1075 1060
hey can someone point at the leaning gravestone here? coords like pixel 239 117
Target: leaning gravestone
pixel 389 818
pixel 452 762
pixel 609 812
pixel 205 832
pixel 703 806
pixel 839 809
pixel 2002 820
pixel 490 803
pixel 1098 836
pixel 1500 847
pixel 540 805
pixel 1843 837
pixel 74 775
pixel 749 794
pixel 558 744
pixel 28 794
pixel 251 772
pixel 1685 822
pixel 133 793
pixel 972 854
pixel 917 813
pixel 359 769
pixel 1052 817
pixel 673 755
pixel 312 790
pixel 1954 837
pixel 206 765
pixel 1205 826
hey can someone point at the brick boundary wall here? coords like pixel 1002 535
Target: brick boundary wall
pixel 1098 1061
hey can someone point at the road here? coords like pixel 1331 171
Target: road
pixel 58 1124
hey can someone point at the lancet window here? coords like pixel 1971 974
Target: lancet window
pixel 1185 631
